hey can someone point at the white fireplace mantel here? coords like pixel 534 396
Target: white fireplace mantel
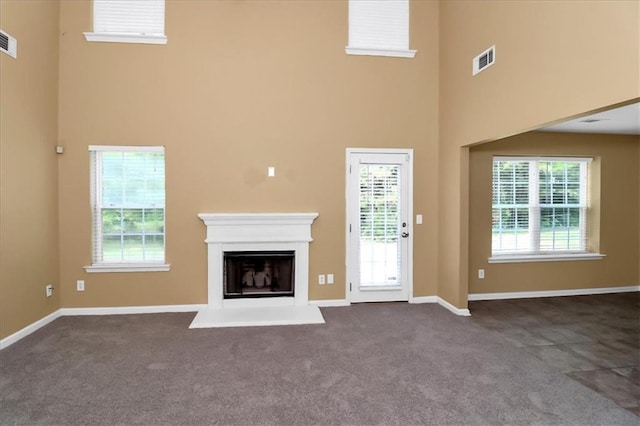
pixel 258 227
pixel 229 232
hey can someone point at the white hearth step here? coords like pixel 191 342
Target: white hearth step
pixel 257 316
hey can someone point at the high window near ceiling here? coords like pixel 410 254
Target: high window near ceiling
pixel 540 209
pixel 128 21
pixel 128 208
pixel 379 28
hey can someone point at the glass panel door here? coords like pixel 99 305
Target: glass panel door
pixel 378 211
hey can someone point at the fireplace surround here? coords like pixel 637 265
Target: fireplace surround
pixel 245 234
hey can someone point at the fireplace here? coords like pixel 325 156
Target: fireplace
pixel 257 270
pixel 258 274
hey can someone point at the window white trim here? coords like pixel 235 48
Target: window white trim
pixel 126 38
pixel 127 148
pixel 553 257
pixel 380 52
pixel 122 267
pixel 539 158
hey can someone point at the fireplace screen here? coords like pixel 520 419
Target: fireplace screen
pixel 258 274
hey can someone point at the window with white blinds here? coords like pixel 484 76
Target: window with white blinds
pixel 128 21
pixel 379 28
pixel 539 205
pixel 128 205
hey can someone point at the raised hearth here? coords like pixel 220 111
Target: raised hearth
pixel 261 234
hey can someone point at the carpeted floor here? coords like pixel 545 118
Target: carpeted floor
pixel 369 364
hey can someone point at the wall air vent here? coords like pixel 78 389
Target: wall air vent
pixel 484 60
pixel 8 44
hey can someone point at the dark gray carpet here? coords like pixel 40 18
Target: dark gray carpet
pixel 369 364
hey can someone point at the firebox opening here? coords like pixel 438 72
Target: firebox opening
pixel 258 274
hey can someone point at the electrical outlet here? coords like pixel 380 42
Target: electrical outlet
pixel 481 274
pixel 329 278
pixel 80 285
pixel 321 279
pixel 48 290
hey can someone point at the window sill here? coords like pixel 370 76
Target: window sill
pixel 123 267
pixel 515 258
pixel 380 52
pixel 126 38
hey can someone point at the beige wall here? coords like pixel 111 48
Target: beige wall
pixel 245 85
pixel 553 60
pixel 616 198
pixel 241 86
pixel 545 71
pixel 28 165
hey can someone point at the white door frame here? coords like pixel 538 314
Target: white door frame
pixel 349 205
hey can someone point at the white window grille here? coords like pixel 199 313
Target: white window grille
pixel 128 21
pixel 379 28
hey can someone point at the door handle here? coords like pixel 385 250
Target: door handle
pixel 404 234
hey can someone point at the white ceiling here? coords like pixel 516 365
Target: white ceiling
pixel 623 120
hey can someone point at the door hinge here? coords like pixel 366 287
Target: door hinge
pixel 349 286
pixel 349 227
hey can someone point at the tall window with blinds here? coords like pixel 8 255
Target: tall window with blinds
pixel 128 205
pixel 539 205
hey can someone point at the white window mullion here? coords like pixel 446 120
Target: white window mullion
pixel 534 207
pixel 584 202
pixel 121 233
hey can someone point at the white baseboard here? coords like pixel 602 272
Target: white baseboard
pixel 124 310
pixel 424 299
pixel 65 312
pixel 552 293
pixel 457 311
pixel 10 340
pixel 440 301
pixel 327 303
